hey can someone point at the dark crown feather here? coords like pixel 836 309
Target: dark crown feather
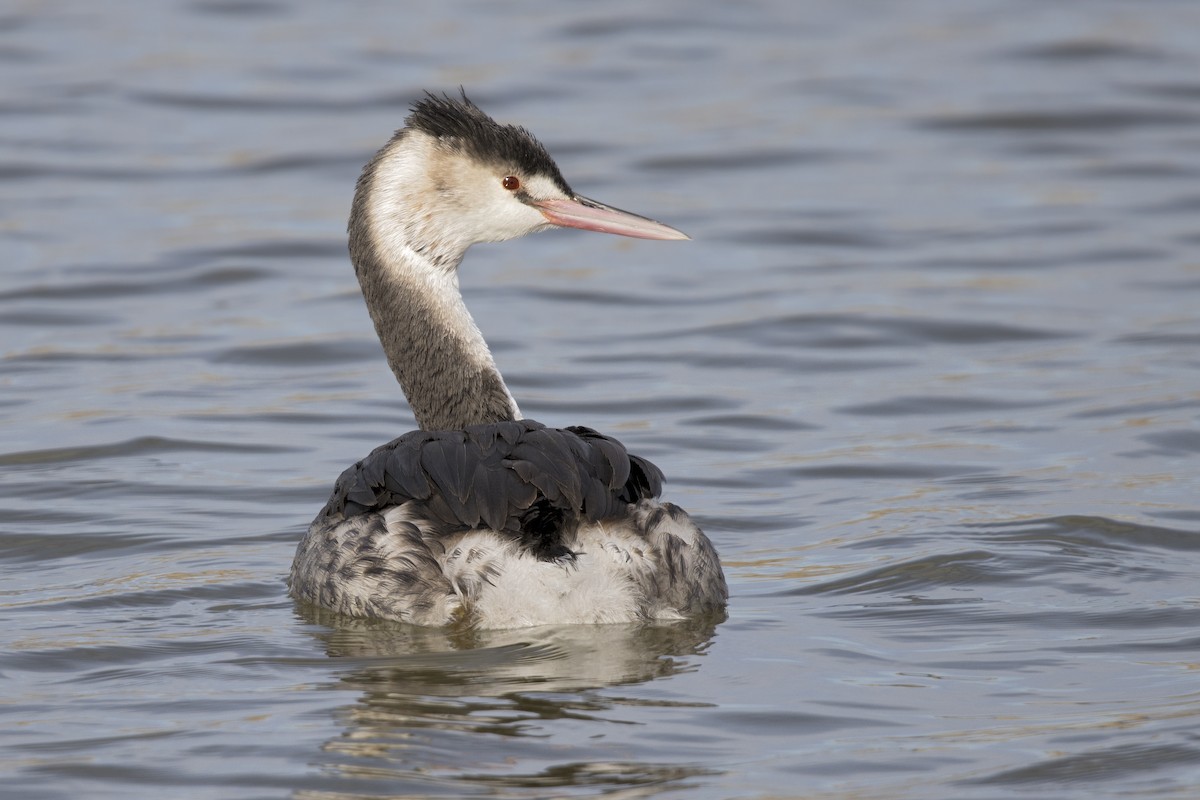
pixel 462 125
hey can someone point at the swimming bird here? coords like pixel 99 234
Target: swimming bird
pixel 482 517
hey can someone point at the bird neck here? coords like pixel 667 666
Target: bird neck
pixel 410 284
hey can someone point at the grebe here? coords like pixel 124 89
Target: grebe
pixel 481 517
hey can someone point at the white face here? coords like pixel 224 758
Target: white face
pixel 502 202
pixel 466 200
pixel 430 202
pixel 490 202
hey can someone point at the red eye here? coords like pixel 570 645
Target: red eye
pixel 512 183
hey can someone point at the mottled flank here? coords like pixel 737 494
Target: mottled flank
pixel 372 566
pixel 506 525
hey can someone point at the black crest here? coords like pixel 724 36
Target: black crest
pixel 461 124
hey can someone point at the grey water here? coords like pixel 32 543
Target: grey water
pixel 928 375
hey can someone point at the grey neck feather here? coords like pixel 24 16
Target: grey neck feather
pixel 410 285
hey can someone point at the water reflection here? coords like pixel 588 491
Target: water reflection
pixel 550 658
pixel 439 708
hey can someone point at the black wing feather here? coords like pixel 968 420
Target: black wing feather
pixel 506 476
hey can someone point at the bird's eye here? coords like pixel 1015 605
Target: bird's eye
pixel 512 183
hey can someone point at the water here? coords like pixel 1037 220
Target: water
pixel 928 376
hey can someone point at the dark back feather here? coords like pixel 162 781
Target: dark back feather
pixel 517 476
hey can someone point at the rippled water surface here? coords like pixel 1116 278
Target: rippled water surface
pixel 928 374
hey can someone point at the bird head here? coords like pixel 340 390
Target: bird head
pixel 453 177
